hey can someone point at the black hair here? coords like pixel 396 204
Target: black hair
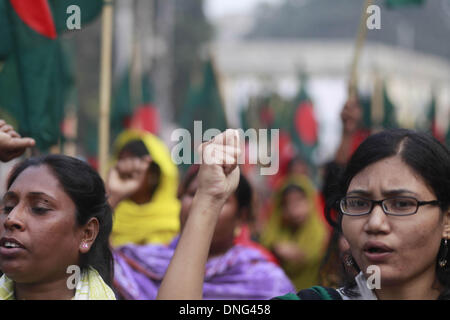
pixel 291 188
pixel 422 153
pixel 86 189
pixel 244 196
pixel 135 147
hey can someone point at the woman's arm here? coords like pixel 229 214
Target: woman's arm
pixel 218 178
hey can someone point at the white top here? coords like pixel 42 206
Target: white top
pixel 365 293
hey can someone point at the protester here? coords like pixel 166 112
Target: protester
pixel 353 132
pixel 12 145
pixel 295 232
pixel 334 271
pixel 234 270
pixel 394 211
pixel 142 187
pixel 55 221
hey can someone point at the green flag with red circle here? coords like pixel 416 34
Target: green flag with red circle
pixel 304 126
pixel 36 74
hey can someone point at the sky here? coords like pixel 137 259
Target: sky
pixel 218 8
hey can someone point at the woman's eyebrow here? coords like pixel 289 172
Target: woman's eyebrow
pixel 9 194
pixel 360 192
pixel 394 192
pixel 397 192
pixel 40 194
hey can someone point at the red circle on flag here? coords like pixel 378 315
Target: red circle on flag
pixel 37 15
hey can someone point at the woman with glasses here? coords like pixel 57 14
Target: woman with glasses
pixel 393 206
pixel 395 215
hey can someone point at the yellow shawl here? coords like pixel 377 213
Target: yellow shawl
pixel 158 220
pixel 311 237
pixel 90 287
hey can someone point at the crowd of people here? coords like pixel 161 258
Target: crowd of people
pixel 149 232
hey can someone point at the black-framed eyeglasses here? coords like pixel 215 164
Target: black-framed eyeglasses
pixel 396 206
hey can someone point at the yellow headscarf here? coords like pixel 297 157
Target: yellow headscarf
pixel 90 287
pixel 158 220
pixel 311 236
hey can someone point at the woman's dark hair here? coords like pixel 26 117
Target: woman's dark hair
pixel 135 147
pixel 86 189
pixel 243 192
pixel 422 153
pixel 290 188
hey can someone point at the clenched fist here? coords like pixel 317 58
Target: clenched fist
pixel 219 171
pixel 126 177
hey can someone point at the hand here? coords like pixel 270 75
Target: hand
pixel 219 172
pixel 288 252
pixel 218 177
pixel 12 145
pixel 126 178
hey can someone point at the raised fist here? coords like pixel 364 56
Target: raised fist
pixel 127 177
pixel 219 171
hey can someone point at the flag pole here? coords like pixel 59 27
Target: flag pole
pixel 105 85
pixel 360 39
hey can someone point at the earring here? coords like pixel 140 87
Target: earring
pixel 443 259
pixel 348 261
pixel 84 245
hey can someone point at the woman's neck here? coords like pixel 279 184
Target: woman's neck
pixel 55 290
pixel 422 287
pixel 142 196
pixel 218 250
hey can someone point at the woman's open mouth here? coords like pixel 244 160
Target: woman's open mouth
pixel 10 247
pixel 377 252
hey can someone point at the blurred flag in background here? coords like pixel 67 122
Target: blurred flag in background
pixel 35 72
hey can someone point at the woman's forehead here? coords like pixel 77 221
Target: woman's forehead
pixel 388 175
pixel 37 179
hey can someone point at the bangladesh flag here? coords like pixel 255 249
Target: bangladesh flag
pixel 431 121
pixel 124 105
pixel 204 103
pixel 304 127
pixel 35 73
pixel 389 112
pixel 5 33
pixel 366 105
pixel 392 4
